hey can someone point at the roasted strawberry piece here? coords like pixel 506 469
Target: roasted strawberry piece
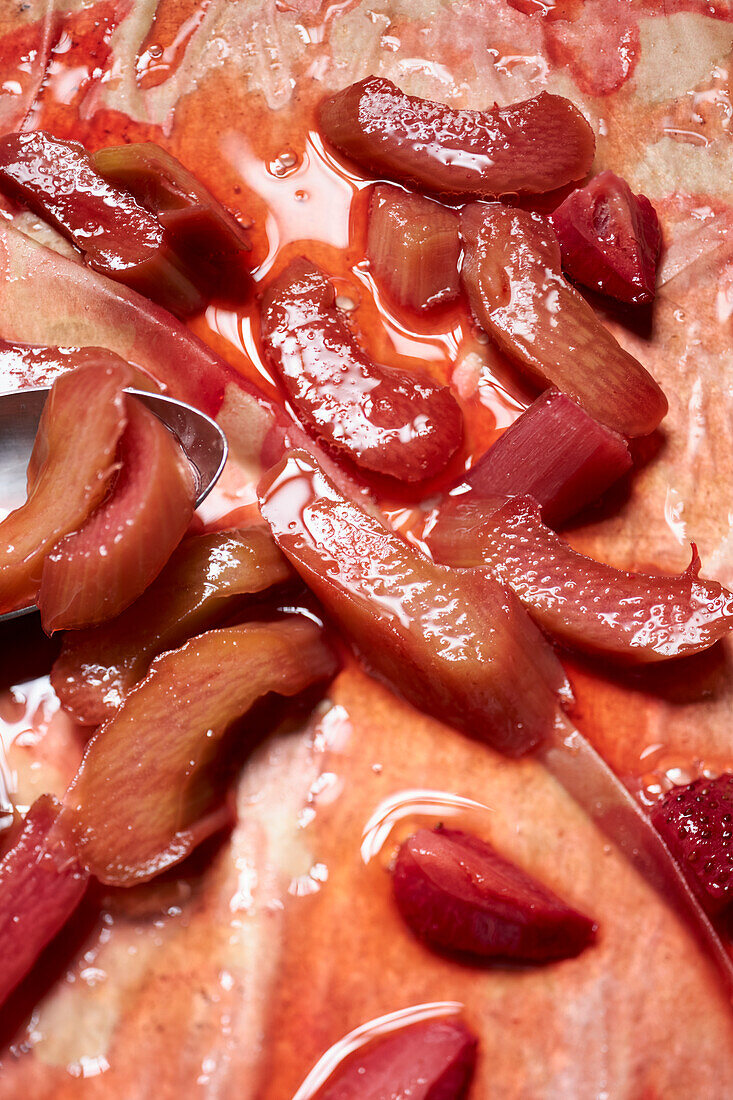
pixel 210 243
pixel 458 894
pixel 142 798
pixel 453 642
pixel 512 274
pixel 209 576
pixel 696 821
pixel 41 884
pixel 387 420
pixel 117 237
pixel 70 468
pixel 554 452
pixel 610 239
pixel 431 1060
pixel 635 617
pixel 529 147
pixel 97 571
pixel 413 248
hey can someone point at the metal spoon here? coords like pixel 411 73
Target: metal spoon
pixel 201 438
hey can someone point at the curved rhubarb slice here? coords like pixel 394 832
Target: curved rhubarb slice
pixel 453 642
pixel 26 366
pixel 529 147
pixel 207 577
pixel 71 464
pixel 512 274
pixel 413 248
pixel 209 242
pixel 636 617
pixel 431 1060
pixel 94 573
pixel 142 797
pixel 56 179
pixel 387 420
pixel 610 239
pixel 458 894
pixel 41 884
pixel 554 452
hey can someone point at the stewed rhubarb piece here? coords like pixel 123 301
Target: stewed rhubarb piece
pixel 41 884
pixel 431 1060
pixel 387 420
pixel 210 243
pixel 95 572
pixel 555 452
pixel 512 274
pixel 413 248
pixel 610 239
pixel 637 617
pixel 453 642
pixel 143 795
pixel 70 469
pixel 56 179
pixel 208 577
pixel 458 894
pixel 528 147
pixel 24 366
pixel 696 821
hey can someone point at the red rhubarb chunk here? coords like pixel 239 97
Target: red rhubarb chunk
pixel 636 617
pixel 431 1060
pixel 458 894
pixel 27 366
pixel 453 642
pixel 696 821
pixel 413 248
pixel 117 237
pixel 41 884
pixel 209 242
pixel 610 239
pixel 554 452
pixel 529 147
pixel 391 421
pixel 94 573
pixel 512 274
pixel 70 468
pixel 142 798
pixel 208 577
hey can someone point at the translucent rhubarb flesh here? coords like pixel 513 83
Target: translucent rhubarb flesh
pixel 71 465
pixel 610 239
pixel 458 894
pixel 430 1060
pixel 453 642
pixel 588 605
pixel 387 420
pixel 512 275
pixel 117 237
pixel 97 571
pixel 207 577
pixel 528 147
pixel 142 797
pixel 413 248
pixel 41 884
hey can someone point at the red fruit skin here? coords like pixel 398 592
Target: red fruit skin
pixel 97 571
pixel 512 275
pixel 610 239
pixel 431 1060
pixel 554 452
pixel 413 248
pixel 390 421
pixel 41 884
pixel 635 618
pixel 529 147
pixel 458 894
pixel 117 237
pixel 696 821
